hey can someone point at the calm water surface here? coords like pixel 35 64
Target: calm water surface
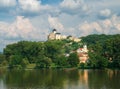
pixel 60 79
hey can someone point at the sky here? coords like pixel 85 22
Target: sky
pixel 33 20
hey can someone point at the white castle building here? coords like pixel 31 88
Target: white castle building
pixel 57 36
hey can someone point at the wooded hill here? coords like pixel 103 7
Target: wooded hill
pixel 104 51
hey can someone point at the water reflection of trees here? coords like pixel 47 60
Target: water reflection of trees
pixel 40 78
pixel 61 79
pixel 103 79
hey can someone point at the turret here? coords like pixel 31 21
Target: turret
pixel 85 48
pixel 54 31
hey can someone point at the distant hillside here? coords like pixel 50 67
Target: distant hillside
pixel 93 39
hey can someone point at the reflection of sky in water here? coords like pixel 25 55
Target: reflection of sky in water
pixel 2 86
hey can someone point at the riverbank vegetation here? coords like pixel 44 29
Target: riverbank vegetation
pixel 104 52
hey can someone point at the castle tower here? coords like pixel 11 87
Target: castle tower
pixel 54 31
pixel 85 48
pixel 52 35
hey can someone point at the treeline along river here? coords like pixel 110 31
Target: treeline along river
pixel 59 79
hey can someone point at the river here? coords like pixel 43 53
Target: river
pixel 60 79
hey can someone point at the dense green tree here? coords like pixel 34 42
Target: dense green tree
pixel 112 51
pixel 24 62
pixel 92 39
pixel 43 62
pixel 73 60
pixel 2 58
pixel 61 61
pixel 15 60
pixel 53 49
pixel 97 61
pixel 3 61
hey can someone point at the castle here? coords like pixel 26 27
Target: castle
pixel 57 36
pixel 82 52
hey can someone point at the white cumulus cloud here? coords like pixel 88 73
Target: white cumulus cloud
pixel 55 23
pixel 31 6
pixel 7 3
pixel 107 26
pixel 72 4
pixel 20 29
pixel 89 28
pixel 23 29
pixel 105 12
